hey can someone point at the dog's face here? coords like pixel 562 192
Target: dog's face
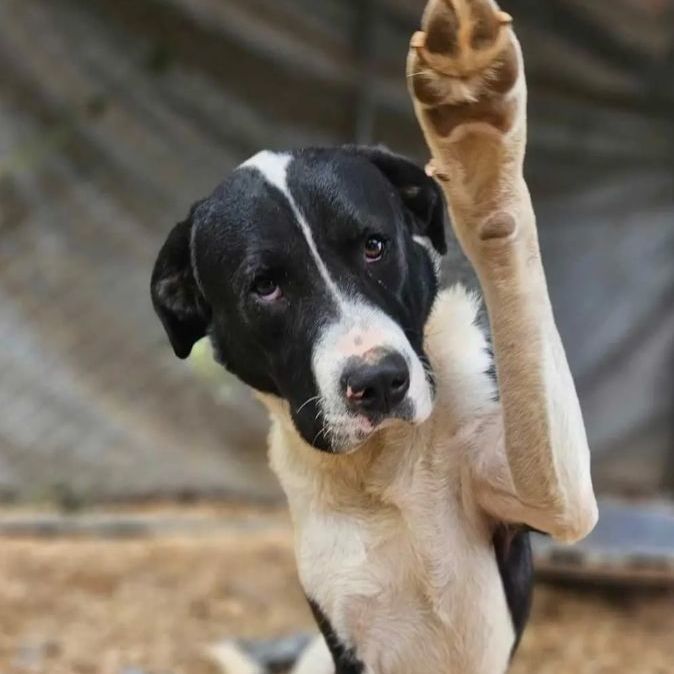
pixel 313 273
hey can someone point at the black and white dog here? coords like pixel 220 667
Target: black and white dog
pixel 411 482
pixel 314 273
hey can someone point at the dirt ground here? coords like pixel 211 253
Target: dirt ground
pixel 152 604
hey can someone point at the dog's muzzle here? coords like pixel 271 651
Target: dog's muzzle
pixel 367 374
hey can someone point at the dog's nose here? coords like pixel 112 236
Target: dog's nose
pixel 376 388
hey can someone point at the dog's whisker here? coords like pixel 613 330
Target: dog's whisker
pixel 307 402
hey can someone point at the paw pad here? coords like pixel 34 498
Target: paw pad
pixel 461 37
pixel 463 64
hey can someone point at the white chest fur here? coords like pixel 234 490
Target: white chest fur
pixel 389 542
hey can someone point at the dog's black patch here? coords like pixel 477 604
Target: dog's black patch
pixel 512 547
pixel 346 661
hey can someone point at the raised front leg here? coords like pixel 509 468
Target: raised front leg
pixel 466 77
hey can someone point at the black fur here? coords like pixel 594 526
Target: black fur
pixel 176 297
pixel 512 546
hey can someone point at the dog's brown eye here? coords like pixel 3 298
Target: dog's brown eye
pixel 266 288
pixel 374 248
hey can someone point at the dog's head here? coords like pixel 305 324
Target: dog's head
pixel 313 272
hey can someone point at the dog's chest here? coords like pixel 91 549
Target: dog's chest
pixel 408 582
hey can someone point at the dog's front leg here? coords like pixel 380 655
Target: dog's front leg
pixel 467 81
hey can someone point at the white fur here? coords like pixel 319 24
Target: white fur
pixel 390 541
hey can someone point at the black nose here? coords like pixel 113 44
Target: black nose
pixel 376 388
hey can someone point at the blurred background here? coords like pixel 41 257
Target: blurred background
pixel 140 520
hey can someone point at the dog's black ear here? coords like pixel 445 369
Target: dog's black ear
pixel 421 194
pixel 176 296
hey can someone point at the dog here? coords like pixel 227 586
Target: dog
pixel 413 476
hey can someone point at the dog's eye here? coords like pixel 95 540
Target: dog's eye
pixel 266 288
pixel 374 248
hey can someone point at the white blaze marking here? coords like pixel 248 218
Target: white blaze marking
pixel 274 167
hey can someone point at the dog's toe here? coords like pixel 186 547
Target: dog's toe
pixel 464 63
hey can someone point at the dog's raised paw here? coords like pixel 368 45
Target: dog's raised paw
pixel 464 64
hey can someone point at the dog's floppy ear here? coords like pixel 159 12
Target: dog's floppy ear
pixel 421 194
pixel 176 296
